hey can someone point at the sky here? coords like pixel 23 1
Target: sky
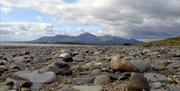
pixel 24 20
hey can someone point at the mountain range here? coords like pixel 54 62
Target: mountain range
pixel 87 38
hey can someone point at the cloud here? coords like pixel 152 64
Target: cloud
pixel 5 9
pixel 125 18
pixel 24 30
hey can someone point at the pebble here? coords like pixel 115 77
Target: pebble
pixel 175 65
pixel 102 80
pixel 88 88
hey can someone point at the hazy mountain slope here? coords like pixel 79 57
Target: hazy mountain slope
pixel 87 38
pixel 165 42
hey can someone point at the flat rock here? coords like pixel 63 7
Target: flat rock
pixel 101 80
pixel 88 88
pixel 155 85
pixel 67 89
pixel 18 59
pixel 175 64
pixel 83 80
pixel 154 77
pixel 4 87
pixel 38 79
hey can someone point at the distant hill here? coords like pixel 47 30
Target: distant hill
pixel 86 38
pixel 165 42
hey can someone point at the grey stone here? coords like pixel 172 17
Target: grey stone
pixel 38 79
pixel 102 79
pixel 18 59
pixel 62 71
pixel 3 69
pixel 159 90
pixel 155 85
pixel 3 87
pixel 88 88
pixel 64 55
pixel 173 88
pixel 2 62
pixel 67 89
pixel 142 65
pixel 154 77
pixel 96 72
pixel 83 80
pixel 175 64
pixel 61 64
pixel 125 76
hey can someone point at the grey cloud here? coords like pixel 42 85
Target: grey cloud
pixel 125 18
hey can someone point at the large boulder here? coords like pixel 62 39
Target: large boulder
pixel 138 83
pixel 141 65
pixel 119 64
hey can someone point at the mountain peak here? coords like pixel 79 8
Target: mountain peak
pixel 86 34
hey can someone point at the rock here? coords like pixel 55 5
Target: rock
pixel 96 72
pixel 3 69
pixel 122 65
pixel 138 83
pixel 36 78
pixel 67 89
pixel 102 79
pixel 61 68
pixel 156 77
pixel 2 62
pixel 155 85
pixel 79 58
pixel 14 66
pixel 3 87
pixel 26 85
pixel 168 88
pixel 88 88
pixel 61 64
pixel 18 59
pixel 64 55
pixel 98 64
pixel 177 53
pixel 43 70
pixel 67 57
pixel 159 90
pixel 146 51
pixel 10 82
pixel 26 53
pixel 142 65
pixel 84 80
pixel 175 65
pixel 173 88
pixel 62 71
pixel 125 76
